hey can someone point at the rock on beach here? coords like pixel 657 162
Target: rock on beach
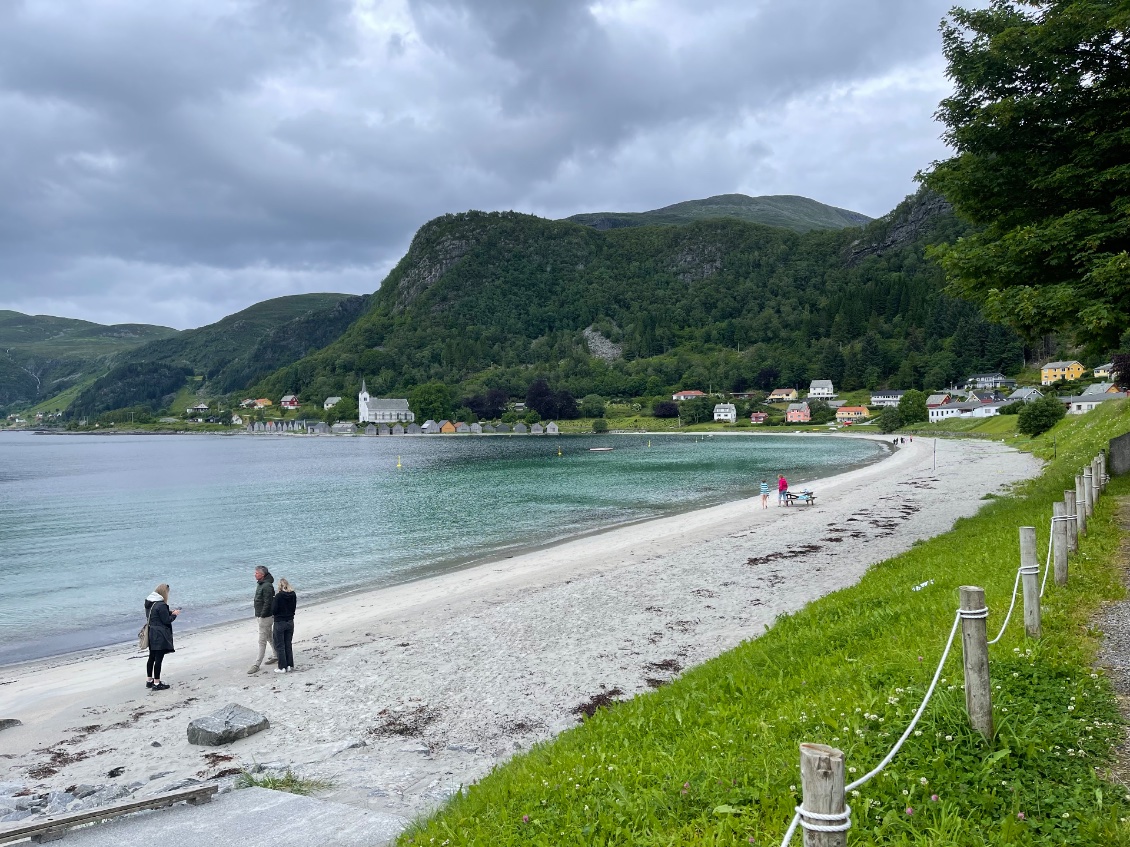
pixel 226 725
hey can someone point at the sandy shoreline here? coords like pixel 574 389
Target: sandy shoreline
pixel 404 693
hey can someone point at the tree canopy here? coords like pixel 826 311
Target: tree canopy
pixel 1040 122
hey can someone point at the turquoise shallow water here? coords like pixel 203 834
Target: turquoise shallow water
pixel 89 524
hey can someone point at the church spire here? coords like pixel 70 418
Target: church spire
pixel 363 385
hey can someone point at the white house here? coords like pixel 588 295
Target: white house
pixel 694 394
pixel 1088 402
pixel 552 428
pixel 199 407
pixel 236 420
pixel 330 402
pixel 375 410
pixel 1103 371
pixel 726 412
pixel 987 410
pixel 821 389
pixel 993 380
pixel 886 397
pixel 952 410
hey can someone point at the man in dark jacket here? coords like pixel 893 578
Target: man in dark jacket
pixel 264 597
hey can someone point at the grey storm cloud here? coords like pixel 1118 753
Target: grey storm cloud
pixel 173 162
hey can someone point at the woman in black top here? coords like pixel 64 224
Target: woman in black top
pixel 160 619
pixel 283 610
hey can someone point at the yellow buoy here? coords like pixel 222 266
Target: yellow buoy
pixel 398 461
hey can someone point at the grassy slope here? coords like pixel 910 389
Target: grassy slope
pixel 796 213
pixel 712 758
pixel 65 338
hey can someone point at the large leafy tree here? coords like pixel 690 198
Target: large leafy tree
pixel 1040 124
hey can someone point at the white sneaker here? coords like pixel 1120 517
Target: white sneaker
pixel 280 670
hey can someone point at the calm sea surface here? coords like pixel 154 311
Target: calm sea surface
pixel 89 524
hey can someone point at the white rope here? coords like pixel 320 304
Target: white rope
pixel 792 828
pixel 836 822
pixel 961 613
pixel 1051 543
pixel 1011 606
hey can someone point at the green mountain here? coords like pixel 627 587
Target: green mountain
pixel 799 214
pixel 229 354
pixel 494 300
pixel 41 356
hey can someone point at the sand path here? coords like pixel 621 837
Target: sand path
pixel 404 693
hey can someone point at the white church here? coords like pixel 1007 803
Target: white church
pixel 377 410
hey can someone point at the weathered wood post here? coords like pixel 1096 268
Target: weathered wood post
pixel 1073 524
pixel 975 653
pixel 1059 541
pixel 1080 505
pixel 822 793
pixel 1030 580
pixel 1088 491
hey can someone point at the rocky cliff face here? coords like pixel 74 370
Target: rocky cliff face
pixel 909 222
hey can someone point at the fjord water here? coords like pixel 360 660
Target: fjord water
pixel 90 524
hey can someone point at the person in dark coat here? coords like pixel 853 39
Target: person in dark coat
pixel 160 619
pixel 283 608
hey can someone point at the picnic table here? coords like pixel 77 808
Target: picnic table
pixel 807 497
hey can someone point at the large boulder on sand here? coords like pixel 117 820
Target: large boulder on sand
pixel 230 723
pixel 8 723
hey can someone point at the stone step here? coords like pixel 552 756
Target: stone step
pixel 249 817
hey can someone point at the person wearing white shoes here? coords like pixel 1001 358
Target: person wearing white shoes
pixel 283 608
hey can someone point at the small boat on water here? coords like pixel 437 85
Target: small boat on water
pixel 601 449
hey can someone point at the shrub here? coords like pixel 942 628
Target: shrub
pixel 600 425
pixel 1040 416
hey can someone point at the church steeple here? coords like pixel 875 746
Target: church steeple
pixel 363 391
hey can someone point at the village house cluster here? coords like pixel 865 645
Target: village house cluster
pixel 982 395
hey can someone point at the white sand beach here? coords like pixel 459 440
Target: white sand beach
pixel 405 693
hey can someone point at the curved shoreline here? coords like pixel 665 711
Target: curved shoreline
pixel 489 659
pixel 114 634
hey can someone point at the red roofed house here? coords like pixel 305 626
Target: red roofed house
pixel 289 402
pixel 758 417
pixel 688 395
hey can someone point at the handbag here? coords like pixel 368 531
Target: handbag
pixel 143 633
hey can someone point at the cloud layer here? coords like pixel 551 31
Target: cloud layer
pixel 174 162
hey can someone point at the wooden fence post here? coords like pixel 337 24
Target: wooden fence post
pixel 975 653
pixel 1088 491
pixel 1102 470
pixel 1059 542
pixel 1073 524
pixel 1030 580
pixel 1080 505
pixel 1097 476
pixel 822 792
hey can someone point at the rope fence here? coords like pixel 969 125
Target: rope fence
pixel 823 814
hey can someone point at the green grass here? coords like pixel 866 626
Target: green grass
pixel 288 782
pixel 998 425
pixel 712 758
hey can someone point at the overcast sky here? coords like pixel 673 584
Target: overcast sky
pixel 173 162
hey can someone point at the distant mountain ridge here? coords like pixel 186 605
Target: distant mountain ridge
pixel 41 355
pixel 800 214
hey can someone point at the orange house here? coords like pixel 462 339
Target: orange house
pixel 446 427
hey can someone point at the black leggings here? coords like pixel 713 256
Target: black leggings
pixel 153 666
pixel 284 634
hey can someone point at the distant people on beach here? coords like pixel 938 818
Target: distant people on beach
pixel 160 620
pixel 283 608
pixel 764 494
pixel 264 597
pixel 782 489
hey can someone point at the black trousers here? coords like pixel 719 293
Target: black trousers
pixel 153 666
pixel 284 634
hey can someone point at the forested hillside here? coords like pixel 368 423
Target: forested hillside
pixel 229 354
pixel 41 355
pixel 493 300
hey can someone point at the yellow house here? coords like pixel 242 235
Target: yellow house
pixel 851 414
pixel 447 427
pixel 1055 371
pixel 782 395
pixel 1103 371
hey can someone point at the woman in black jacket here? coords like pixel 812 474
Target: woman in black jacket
pixel 282 608
pixel 160 619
